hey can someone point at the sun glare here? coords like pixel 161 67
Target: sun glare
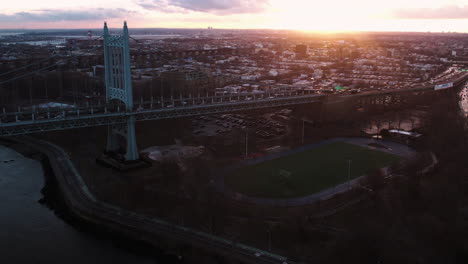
pixel 337 15
pixel 324 16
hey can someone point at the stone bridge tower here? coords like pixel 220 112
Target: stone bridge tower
pixel 119 88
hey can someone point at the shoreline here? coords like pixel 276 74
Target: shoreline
pixel 53 199
pixel 122 225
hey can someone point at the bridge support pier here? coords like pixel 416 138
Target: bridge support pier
pixel 127 131
pixel 132 150
pixel 119 89
pixel 112 140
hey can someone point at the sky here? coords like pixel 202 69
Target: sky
pixel 306 15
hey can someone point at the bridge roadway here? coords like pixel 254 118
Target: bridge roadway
pixel 40 120
pixel 31 120
pixel 84 205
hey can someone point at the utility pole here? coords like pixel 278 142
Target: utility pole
pixel 151 88
pixel 349 174
pixel 246 143
pixel 30 94
pixel 269 238
pixel 303 128
pixel 46 90
pixel 162 91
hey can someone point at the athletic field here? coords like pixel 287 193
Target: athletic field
pixel 307 172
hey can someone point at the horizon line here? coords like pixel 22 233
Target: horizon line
pixel 276 29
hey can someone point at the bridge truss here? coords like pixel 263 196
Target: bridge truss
pixel 73 118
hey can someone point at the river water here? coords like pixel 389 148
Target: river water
pixel 31 233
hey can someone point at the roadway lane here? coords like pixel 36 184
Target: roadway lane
pixel 84 205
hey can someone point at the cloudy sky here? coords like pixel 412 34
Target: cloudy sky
pixel 313 15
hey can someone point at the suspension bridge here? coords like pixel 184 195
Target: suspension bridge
pixel 120 112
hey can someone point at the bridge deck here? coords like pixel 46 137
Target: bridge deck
pixel 32 120
pixel 39 121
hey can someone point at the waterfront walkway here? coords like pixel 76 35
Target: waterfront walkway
pixel 85 206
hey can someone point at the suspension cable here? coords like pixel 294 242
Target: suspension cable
pixel 29 73
pixel 28 65
pixel 44 68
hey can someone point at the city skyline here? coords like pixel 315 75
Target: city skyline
pixel 328 16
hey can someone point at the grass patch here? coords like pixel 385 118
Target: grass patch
pixel 307 172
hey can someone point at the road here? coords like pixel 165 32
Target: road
pixel 67 118
pixel 83 204
pixel 33 120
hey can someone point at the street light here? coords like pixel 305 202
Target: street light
pixel 303 128
pixel 303 131
pixel 246 143
pixel 269 238
pixel 349 174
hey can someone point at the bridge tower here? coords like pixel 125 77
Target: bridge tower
pixel 119 87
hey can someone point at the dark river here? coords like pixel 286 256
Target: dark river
pixel 31 233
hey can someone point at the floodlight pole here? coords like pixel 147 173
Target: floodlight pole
pixel 349 174
pixel 246 143
pixel 269 238
pixel 303 130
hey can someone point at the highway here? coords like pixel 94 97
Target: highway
pixel 40 119
pixel 44 119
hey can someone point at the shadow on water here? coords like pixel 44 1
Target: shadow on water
pixel 30 234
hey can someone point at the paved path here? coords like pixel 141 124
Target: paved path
pixel 392 148
pixel 83 204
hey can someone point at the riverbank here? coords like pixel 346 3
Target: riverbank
pixel 82 205
pixel 31 233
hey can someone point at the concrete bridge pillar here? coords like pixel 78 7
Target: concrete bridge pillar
pixel 132 149
pixel 112 140
pixel 119 88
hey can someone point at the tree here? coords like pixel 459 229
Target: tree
pixel 376 179
pixel 171 172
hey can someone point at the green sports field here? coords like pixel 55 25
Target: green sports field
pixel 307 172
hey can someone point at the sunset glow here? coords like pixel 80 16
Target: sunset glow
pixel 331 15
